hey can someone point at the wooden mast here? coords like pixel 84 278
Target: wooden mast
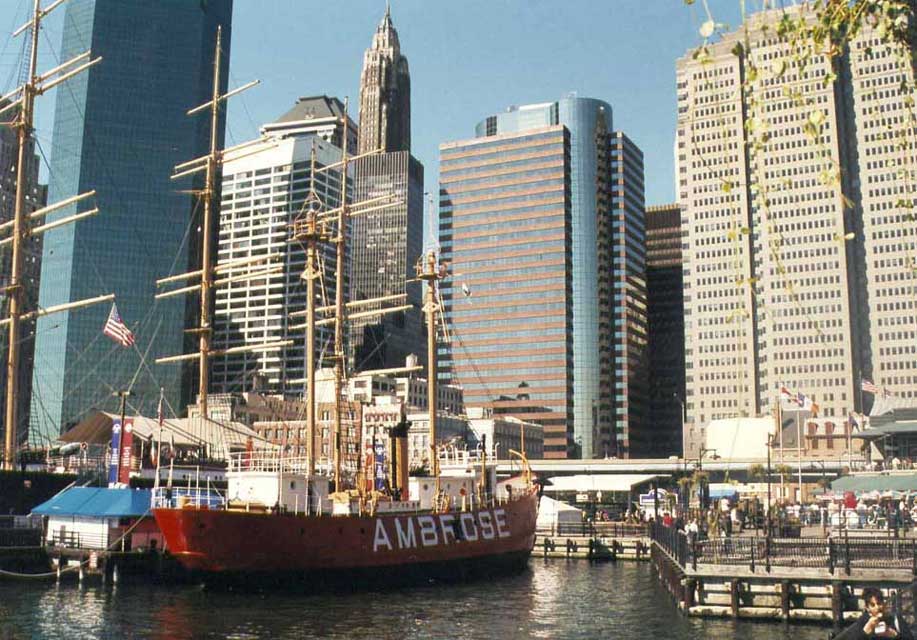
pixel 206 269
pixel 428 272
pixel 14 290
pixel 20 225
pixel 210 165
pixel 339 308
pixel 306 231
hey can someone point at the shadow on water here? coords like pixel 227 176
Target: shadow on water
pixel 553 599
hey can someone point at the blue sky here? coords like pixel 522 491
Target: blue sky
pixel 468 59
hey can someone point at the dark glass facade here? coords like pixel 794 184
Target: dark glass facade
pixel 665 315
pixel 386 245
pixel 119 129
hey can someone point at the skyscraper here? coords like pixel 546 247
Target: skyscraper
pixel 787 283
pixel 505 230
pixel 666 335
pixel 386 243
pixel 506 185
pixel 119 129
pixel 385 93
pixel 36 196
pixel 263 193
pixel 631 433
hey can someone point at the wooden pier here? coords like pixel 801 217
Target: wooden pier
pixel 600 541
pixel 815 579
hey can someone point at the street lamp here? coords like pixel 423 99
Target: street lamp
pixel 704 486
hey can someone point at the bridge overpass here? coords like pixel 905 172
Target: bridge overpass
pixel 670 466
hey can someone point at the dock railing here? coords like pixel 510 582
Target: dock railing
pixel 597 529
pixel 836 554
pixel 20 531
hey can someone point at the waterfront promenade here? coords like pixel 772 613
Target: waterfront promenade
pixel 818 576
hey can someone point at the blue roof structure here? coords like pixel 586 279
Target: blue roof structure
pixel 97 502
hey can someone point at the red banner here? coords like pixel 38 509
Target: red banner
pixel 127 442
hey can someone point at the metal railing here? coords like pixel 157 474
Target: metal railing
pixel 20 522
pixel 20 537
pixel 176 497
pixel 268 462
pixel 77 540
pixel 834 554
pixel 596 529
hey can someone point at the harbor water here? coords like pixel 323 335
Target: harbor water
pixel 553 599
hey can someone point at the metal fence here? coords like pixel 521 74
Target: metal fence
pixel 176 497
pixel 77 540
pixel 597 529
pixel 834 553
pixel 20 531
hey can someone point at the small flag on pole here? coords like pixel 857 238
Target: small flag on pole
pixel 116 329
pixel 159 413
pixel 869 387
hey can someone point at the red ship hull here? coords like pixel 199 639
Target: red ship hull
pixel 236 544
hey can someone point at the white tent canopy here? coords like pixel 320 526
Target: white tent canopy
pixel 606 483
pixel 552 513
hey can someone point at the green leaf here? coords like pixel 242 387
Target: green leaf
pixel 817 117
pixel 707 29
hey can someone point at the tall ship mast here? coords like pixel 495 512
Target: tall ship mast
pixel 282 519
pixel 209 276
pixel 25 224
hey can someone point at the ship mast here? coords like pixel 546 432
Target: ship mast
pixel 21 224
pixel 427 271
pixel 339 310
pixel 307 232
pixel 251 268
pixel 310 229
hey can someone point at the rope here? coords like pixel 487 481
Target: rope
pixel 76 567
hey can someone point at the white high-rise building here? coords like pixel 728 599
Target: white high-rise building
pixel 774 293
pixel 263 192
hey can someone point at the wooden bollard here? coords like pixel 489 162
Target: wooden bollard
pixel 837 604
pixel 690 587
pixel 785 599
pixel 734 597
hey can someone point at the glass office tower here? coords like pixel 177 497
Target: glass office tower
pixel 505 231
pixel 595 163
pixel 119 129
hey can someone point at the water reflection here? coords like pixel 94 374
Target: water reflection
pixel 554 599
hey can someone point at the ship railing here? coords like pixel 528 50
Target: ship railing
pixel 178 497
pixel 77 540
pixel 267 462
pixel 461 457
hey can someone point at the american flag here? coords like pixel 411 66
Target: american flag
pixel 116 329
pixel 869 387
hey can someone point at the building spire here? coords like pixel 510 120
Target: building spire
pixel 385 92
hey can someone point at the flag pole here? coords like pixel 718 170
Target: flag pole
pixel 780 430
pixel 799 452
pixel 158 443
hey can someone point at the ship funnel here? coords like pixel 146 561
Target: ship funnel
pixel 399 458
